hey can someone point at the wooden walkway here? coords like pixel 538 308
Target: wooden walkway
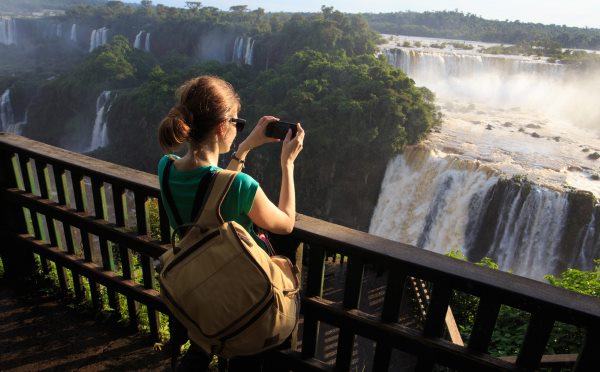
pixel 39 332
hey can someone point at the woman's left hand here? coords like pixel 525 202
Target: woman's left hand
pixel 257 137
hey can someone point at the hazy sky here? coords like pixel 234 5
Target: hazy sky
pixel 579 13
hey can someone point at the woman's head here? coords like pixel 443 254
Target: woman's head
pixel 204 103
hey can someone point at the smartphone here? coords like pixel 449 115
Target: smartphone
pixel 278 129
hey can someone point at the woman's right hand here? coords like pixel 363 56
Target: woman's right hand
pixel 257 137
pixel 292 146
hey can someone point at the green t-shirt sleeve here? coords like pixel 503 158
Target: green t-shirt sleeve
pixel 241 194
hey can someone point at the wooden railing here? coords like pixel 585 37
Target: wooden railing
pixel 88 221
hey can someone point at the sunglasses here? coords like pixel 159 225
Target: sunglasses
pixel 239 123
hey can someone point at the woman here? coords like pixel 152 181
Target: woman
pixel 206 118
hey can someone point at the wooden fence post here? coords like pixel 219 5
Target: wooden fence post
pixel 17 260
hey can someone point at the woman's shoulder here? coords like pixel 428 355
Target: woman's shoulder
pixel 163 162
pixel 245 180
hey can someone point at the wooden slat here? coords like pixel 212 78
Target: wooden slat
pixel 435 321
pixel 352 292
pixel 314 287
pixel 165 229
pixel 148 275
pixel 483 328
pixel 40 170
pixel 62 200
pixel 389 314
pixel 118 192
pixel 534 344
pixel 105 250
pixel 589 357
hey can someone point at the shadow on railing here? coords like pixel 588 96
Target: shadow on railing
pixel 98 227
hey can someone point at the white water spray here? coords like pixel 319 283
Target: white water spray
pixel 8 31
pixel 99 132
pixel 7 117
pixel 243 50
pixel 98 38
pixel 438 203
pixel 73 37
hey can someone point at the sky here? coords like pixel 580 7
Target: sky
pixel 577 13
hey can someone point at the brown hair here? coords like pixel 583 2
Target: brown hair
pixel 203 103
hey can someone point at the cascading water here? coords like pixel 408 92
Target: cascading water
pixel 7 117
pixel 73 37
pixel 6 112
pixel 147 43
pixel 441 203
pixel 99 132
pixel 243 50
pixel 8 31
pixel 98 38
pixel 59 30
pixel 515 115
pixel 137 44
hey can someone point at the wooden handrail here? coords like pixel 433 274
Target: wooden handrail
pixel 545 303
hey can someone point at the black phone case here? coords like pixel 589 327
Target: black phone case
pixel 278 129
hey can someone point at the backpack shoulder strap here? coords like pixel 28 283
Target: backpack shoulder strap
pixel 167 191
pixel 211 213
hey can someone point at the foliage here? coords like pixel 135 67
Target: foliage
pixel 586 282
pixel 467 26
pixel 511 323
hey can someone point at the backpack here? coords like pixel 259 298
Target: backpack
pixel 232 297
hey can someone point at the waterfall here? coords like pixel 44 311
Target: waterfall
pixel 137 43
pixel 99 133
pixel 243 50
pixel 59 30
pixel 8 31
pixel 440 203
pixel 147 43
pixel 7 117
pixel 98 38
pixel 74 32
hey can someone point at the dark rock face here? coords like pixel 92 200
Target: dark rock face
pixel 594 156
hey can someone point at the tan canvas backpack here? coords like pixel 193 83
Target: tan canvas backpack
pixel 231 296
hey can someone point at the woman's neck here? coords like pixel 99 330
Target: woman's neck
pixel 201 156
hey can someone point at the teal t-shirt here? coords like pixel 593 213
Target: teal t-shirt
pixel 235 207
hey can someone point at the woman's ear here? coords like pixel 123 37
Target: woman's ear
pixel 221 129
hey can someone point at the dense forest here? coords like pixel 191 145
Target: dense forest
pixel 466 26
pixel 319 69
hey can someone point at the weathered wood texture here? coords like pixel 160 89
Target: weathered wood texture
pixel 102 252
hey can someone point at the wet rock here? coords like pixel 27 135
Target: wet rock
pixel 574 168
pixel 489 127
pixel 557 139
pixel 521 129
pixel 595 177
pixel 586 150
pixel 507 124
pixel 476 122
pixel 535 135
pixel 533 126
pixel 594 156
